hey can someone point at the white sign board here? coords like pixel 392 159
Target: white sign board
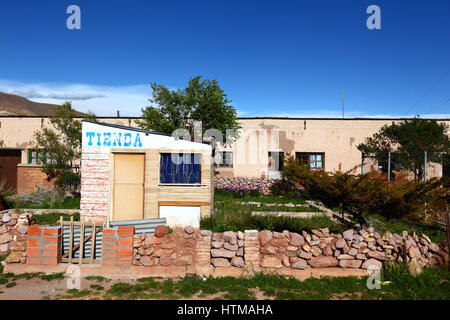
pixel 180 215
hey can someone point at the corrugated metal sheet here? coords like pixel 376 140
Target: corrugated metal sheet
pixel 87 244
pixel 146 226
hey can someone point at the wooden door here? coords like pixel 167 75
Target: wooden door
pixel 128 189
pixel 9 159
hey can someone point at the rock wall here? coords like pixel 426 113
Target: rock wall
pixel 183 247
pixel 13 235
pixel 352 249
pixel 253 250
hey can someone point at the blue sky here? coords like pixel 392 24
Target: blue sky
pixel 272 58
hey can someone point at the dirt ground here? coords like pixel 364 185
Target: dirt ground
pixel 38 289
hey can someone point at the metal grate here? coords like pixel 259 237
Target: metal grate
pixel 76 241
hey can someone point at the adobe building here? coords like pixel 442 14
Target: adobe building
pixel 320 142
pixel 132 174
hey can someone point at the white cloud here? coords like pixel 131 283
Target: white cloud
pixel 351 114
pixel 102 100
pixel 106 100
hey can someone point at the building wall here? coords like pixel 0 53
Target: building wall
pixel 337 138
pixel 97 184
pixel 97 178
pixel 28 176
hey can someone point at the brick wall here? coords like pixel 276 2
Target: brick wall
pixel 44 245
pixel 95 174
pixel 117 245
pixel 28 176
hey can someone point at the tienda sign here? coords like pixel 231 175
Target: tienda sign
pixel 113 139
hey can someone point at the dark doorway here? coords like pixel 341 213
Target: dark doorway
pixel 9 159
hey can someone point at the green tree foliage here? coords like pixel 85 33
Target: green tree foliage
pixel 62 146
pixel 201 100
pixel 2 144
pixel 370 193
pixel 405 141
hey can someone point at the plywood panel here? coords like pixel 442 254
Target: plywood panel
pixel 128 197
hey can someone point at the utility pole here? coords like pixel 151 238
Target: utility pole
pixel 342 104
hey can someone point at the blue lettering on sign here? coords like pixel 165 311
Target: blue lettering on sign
pixel 106 138
pixel 114 139
pixel 137 141
pixel 125 142
pixel 90 135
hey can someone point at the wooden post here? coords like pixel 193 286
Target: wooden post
pixel 71 239
pixel 81 243
pixel 93 243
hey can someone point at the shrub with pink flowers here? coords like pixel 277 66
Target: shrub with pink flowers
pixel 242 186
pixel 237 191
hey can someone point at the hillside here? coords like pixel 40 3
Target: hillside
pixel 11 105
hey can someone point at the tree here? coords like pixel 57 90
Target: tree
pixel 61 146
pixel 201 100
pixel 2 144
pixel 407 141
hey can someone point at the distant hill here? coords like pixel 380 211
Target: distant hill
pixel 13 105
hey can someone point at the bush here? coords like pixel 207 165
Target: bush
pixel 370 193
pixel 288 188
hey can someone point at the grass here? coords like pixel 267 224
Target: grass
pixel 433 283
pixel 2 258
pixel 53 217
pixel 96 278
pixel 381 224
pixel 234 217
pixel 261 199
pixel 53 276
pixel 54 203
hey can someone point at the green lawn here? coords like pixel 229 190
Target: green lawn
pixel 261 199
pixel 231 216
pixel 50 219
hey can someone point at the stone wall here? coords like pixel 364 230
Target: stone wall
pixel 352 249
pixel 203 251
pixel 13 235
pixel 182 247
pixel 267 250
